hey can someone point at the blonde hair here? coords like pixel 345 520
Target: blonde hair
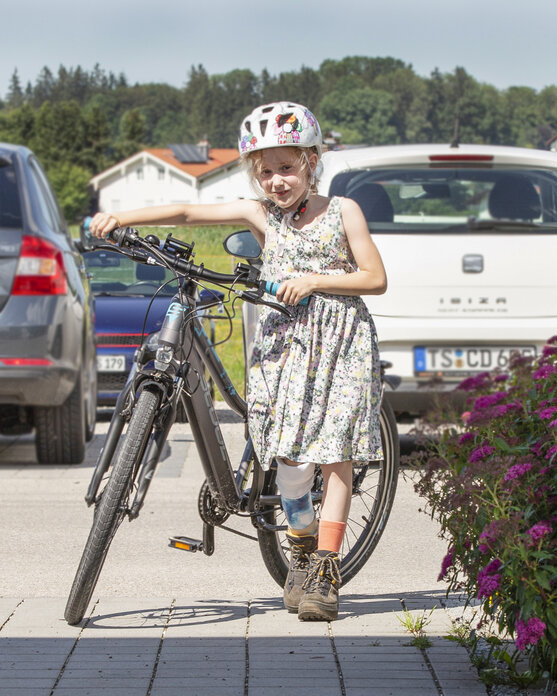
pixel 252 163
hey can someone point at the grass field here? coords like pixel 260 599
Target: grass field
pixel 209 251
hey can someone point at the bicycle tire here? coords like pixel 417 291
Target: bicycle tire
pixel 111 508
pixel 376 498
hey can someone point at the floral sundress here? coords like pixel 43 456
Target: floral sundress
pixel 314 380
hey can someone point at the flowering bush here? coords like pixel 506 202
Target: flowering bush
pixel 491 481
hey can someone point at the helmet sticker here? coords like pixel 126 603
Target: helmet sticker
pixel 287 128
pixel 248 142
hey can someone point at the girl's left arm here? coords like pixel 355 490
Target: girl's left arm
pixel 369 279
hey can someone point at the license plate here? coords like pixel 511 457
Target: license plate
pixel 461 361
pixel 111 363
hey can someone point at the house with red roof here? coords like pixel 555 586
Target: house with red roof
pixel 174 174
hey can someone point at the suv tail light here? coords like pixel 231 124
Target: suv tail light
pixel 40 270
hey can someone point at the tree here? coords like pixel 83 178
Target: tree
pixel 367 112
pixel 132 133
pixel 15 97
pixel 519 118
pixel 59 133
pixel 95 155
pixel 70 183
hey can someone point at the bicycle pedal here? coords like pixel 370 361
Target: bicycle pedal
pixel 186 544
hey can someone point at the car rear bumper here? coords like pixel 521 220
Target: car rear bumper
pixel 46 329
pixel 413 398
pixel 36 386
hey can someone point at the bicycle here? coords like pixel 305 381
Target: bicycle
pixel 168 376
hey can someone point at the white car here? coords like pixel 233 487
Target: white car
pixel 468 236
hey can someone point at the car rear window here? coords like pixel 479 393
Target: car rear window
pixel 114 274
pixel 10 207
pixel 449 199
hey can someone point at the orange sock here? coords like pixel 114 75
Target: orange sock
pixel 330 536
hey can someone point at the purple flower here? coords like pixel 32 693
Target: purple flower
pixel 549 350
pixel 501 378
pixel 553 339
pixel 517 470
pixel 544 371
pixel 529 633
pixel 446 563
pixel 475 382
pixel 502 409
pixel 490 532
pixel 493 566
pixel 489 399
pixel 546 413
pixel 480 452
pixel 489 580
pixel 551 451
pixel 538 531
pixel 553 423
pixel 465 437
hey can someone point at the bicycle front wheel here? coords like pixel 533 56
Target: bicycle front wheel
pixel 111 508
pixel 373 491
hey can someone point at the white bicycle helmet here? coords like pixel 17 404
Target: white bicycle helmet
pixel 279 124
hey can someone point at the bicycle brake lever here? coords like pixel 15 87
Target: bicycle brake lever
pixel 254 298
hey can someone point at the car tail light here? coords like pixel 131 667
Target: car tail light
pixel 40 270
pixel 26 362
pixel 461 158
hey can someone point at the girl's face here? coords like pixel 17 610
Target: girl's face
pixel 282 176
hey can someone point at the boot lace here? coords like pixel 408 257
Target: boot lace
pixel 299 558
pixel 324 571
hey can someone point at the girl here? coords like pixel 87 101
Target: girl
pixel 313 395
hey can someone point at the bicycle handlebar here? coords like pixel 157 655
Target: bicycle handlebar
pixel 177 254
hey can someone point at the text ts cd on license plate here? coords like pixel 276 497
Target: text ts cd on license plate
pixel 461 360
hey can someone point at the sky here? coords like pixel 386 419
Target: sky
pixel 501 42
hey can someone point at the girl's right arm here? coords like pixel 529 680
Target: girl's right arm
pixel 241 212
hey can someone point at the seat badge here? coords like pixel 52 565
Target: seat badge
pixel 472 263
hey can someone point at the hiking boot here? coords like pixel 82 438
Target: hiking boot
pixel 300 549
pixel 320 599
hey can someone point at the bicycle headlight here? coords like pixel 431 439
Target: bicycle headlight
pixel 163 357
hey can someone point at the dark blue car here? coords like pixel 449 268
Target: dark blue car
pixel 127 309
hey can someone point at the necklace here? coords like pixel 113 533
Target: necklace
pixel 301 209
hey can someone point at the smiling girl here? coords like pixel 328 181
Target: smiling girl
pixel 314 387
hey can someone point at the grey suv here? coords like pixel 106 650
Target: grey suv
pixel 47 345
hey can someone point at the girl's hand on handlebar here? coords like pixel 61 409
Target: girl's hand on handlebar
pixel 102 224
pixel 294 290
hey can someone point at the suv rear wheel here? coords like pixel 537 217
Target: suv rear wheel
pixel 60 431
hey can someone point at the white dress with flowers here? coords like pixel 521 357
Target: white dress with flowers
pixel 314 381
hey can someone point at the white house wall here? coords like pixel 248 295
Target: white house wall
pixel 150 182
pixel 225 186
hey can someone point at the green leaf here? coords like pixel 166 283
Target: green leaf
pixel 543 579
pixel 501 444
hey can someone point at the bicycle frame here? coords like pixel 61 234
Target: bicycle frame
pixel 223 483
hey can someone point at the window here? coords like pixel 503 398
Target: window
pixel 10 208
pixel 449 199
pixel 48 208
pixel 139 173
pixel 160 172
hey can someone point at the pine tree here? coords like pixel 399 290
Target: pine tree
pixel 14 97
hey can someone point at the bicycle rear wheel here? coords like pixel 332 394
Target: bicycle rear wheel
pixel 373 491
pixel 112 505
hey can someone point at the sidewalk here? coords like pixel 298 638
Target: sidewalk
pixel 172 647
pixel 168 623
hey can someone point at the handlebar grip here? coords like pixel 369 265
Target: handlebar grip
pixel 271 288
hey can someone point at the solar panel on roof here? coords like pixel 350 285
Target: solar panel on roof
pixel 188 154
